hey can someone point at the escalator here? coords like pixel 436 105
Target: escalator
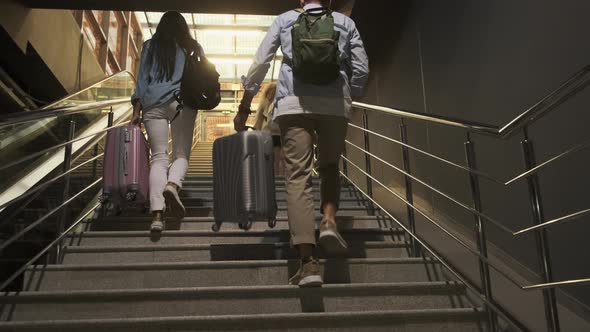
pixel 32 155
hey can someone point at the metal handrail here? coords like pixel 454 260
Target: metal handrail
pixel 491 304
pixel 52 110
pixel 573 85
pixel 49 182
pixel 58 146
pixel 439 119
pixel 432 221
pixel 506 315
pixel 48 247
pixel 11 120
pixel 63 205
pixel 55 111
pixel 555 221
pixel 428 154
pixel 450 198
pixel 92 86
pixel 535 170
pixel 496 223
pixel 42 219
pixel 531 172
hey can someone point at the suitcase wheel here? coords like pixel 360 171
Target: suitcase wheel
pixel 247 226
pixel 272 223
pixel 215 228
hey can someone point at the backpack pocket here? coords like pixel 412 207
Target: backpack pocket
pixel 318 61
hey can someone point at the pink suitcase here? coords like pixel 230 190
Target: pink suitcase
pixel 126 167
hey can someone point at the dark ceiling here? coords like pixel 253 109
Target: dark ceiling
pixel 253 7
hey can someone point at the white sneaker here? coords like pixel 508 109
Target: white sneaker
pixel 177 210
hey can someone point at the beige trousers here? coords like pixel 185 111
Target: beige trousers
pixel 298 135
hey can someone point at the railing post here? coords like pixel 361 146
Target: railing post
pixel 66 190
pixel 368 161
pixel 344 163
pixel 95 162
pixel 103 209
pixel 403 132
pixel 480 232
pixel 110 118
pixel 550 301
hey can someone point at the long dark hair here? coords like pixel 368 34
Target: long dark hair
pixel 171 31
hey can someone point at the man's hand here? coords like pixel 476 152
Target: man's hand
pixel 240 120
pixel 136 118
pixel 243 111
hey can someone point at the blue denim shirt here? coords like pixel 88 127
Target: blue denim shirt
pixel 296 97
pixel 153 94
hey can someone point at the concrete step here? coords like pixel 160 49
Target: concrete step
pixel 209 182
pixel 281 194
pixel 132 275
pixel 138 223
pixel 200 211
pixel 222 237
pixel 211 301
pixel 281 203
pixel 347 191
pixel 455 320
pixel 207 201
pixel 155 253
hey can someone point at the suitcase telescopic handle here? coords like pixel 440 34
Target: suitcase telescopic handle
pixel 126 161
pixel 126 147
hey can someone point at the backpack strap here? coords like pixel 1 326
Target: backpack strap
pixel 300 10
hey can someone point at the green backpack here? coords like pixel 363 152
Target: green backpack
pixel 315 47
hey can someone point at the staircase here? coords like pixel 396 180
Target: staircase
pixel 201 163
pixel 116 276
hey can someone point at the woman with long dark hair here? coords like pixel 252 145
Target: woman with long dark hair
pixel 160 74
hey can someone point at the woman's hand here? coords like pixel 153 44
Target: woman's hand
pixel 136 118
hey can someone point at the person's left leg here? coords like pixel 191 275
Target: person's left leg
pixel 331 135
pixel 157 130
pixel 182 142
pixel 297 138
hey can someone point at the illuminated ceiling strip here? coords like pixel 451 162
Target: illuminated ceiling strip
pixel 233 27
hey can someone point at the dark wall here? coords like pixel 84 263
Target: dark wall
pixel 487 61
pixel 29 71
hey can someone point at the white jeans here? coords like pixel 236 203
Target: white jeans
pixel 156 122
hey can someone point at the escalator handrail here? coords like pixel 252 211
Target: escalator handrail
pixel 52 110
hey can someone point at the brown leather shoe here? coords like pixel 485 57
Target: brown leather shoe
pixel 330 240
pixel 308 275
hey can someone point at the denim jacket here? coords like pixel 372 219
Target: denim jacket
pixel 153 94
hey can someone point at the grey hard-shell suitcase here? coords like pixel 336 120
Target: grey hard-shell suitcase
pixel 243 179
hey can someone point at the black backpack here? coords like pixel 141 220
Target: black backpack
pixel 315 47
pixel 199 87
